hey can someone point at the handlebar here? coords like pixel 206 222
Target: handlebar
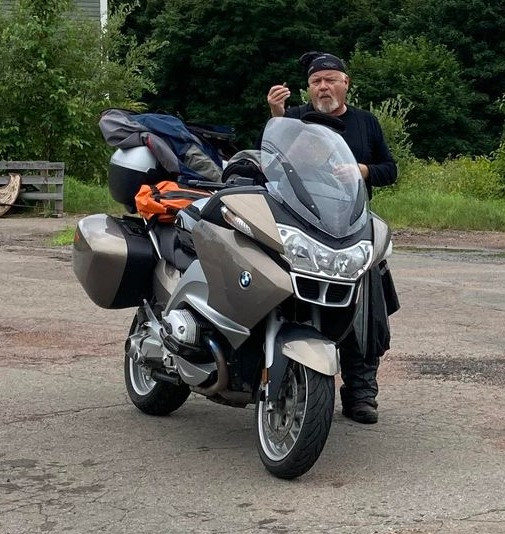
pixel 239 181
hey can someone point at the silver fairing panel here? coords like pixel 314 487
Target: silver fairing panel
pixel 229 258
pixel 166 278
pixel 382 238
pixel 192 290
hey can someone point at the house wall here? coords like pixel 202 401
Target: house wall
pixel 95 9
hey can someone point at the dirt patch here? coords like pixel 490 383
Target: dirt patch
pixel 455 239
pixel 27 347
pixel 490 372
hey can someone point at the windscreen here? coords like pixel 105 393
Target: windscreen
pixel 310 168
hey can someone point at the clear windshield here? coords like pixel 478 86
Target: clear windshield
pixel 311 169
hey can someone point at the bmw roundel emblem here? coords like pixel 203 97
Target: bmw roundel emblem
pixel 245 279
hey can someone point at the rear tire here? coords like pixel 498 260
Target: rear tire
pixel 148 395
pixel 291 436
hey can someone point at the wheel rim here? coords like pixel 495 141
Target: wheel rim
pixel 280 425
pixel 142 382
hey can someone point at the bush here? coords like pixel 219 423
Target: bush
pixel 430 77
pixel 59 71
pixel 392 115
pixel 464 176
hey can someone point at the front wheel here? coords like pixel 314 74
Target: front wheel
pixel 148 395
pixel 292 430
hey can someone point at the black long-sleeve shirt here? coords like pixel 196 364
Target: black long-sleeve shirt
pixel 366 140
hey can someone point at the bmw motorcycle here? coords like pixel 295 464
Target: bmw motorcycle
pixel 246 297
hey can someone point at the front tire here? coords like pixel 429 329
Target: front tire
pixel 148 395
pixel 292 431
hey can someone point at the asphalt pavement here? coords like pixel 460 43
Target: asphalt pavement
pixel 76 456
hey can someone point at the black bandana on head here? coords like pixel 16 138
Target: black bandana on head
pixel 316 61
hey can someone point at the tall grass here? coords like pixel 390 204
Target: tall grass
pixel 80 197
pixel 460 193
pixel 431 209
pixel 457 194
pixel 478 177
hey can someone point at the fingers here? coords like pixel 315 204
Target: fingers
pixel 276 98
pixel 345 172
pixel 278 94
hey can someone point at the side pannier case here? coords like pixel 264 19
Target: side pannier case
pixel 113 259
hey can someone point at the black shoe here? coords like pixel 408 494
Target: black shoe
pixel 361 412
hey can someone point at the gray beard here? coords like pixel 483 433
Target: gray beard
pixel 327 107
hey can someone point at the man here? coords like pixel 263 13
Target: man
pixel 328 84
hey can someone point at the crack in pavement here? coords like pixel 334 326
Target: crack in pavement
pixel 486 512
pixel 38 417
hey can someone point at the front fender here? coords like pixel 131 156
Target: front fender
pixel 303 344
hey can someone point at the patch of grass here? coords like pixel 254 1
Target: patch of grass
pixel 63 238
pixel 430 209
pixel 85 198
pixel 461 194
pixel 80 197
pixel 478 177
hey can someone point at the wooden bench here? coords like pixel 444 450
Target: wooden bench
pixel 44 178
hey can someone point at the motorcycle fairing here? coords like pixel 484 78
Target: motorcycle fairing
pixel 165 279
pixel 225 256
pixel 306 345
pixel 192 291
pixel 254 210
pixel 382 239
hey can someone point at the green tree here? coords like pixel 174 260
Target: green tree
pixel 429 78
pixel 473 30
pixel 58 73
pixel 225 54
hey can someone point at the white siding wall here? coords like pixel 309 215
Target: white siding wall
pixel 96 9
pixel 91 8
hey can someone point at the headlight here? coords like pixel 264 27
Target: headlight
pixel 309 256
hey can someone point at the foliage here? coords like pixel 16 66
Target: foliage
pixel 473 30
pixel 58 73
pixel 465 176
pixel 429 77
pixel 225 55
pixel 392 115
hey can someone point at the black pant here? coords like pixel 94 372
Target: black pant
pixel 359 373
pixel 360 353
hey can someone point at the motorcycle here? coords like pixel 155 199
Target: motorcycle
pixel 244 299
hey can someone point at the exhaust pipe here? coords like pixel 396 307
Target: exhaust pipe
pixel 222 372
pixel 132 347
pixel 163 376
